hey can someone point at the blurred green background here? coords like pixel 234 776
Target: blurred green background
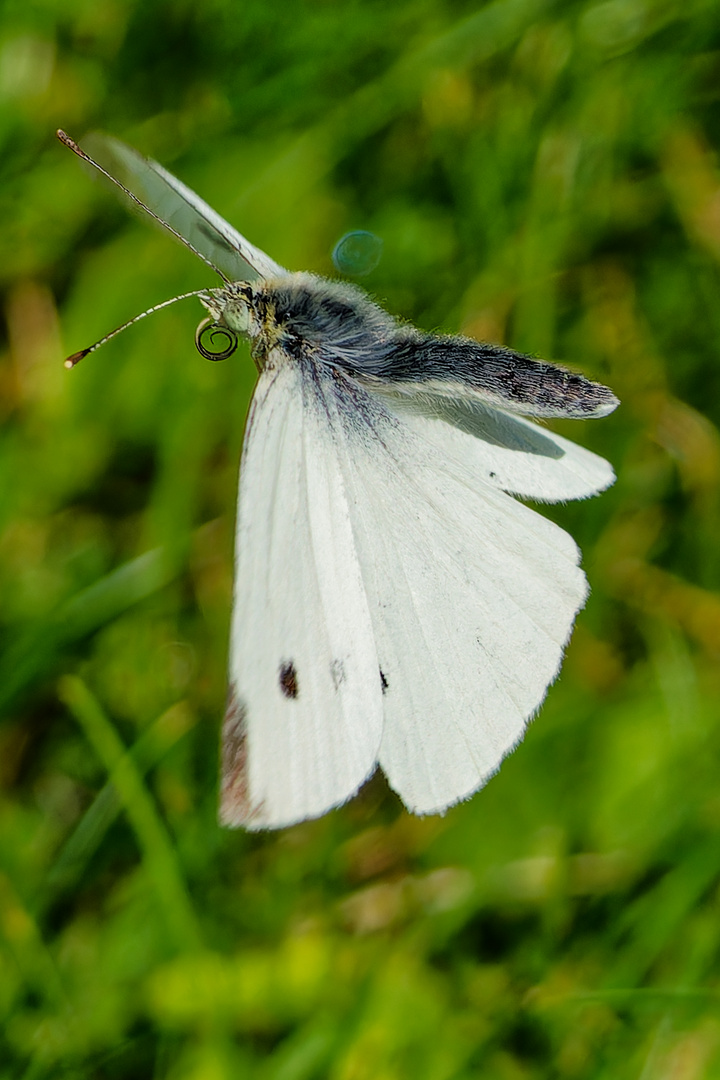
pixel 541 173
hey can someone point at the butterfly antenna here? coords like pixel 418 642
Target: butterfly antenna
pixel 72 145
pixel 77 357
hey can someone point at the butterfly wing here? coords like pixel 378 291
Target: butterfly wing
pixel 185 211
pixel 304 720
pixel 472 598
pixel 505 450
pixel 391 605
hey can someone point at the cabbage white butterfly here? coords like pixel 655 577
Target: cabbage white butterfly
pixel 394 604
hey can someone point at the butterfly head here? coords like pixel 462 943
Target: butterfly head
pixel 238 309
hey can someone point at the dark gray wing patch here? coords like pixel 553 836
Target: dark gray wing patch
pixel 503 377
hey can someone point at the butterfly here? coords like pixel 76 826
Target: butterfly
pixel 395 605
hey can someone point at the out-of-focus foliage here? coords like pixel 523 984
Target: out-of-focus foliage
pixel 540 173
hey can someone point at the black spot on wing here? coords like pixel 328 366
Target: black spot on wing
pixel 288 679
pixel 383 681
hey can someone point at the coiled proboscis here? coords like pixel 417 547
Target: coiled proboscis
pixel 210 330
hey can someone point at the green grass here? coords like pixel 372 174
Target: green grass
pixel 540 173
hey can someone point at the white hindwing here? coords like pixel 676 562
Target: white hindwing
pixel 417 613
pixel 472 596
pixel 304 719
pixel 504 449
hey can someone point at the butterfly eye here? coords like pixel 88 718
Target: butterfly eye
pixel 209 331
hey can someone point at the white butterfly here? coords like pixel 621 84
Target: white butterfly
pixel 394 604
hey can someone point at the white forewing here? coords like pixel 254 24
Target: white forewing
pixel 185 211
pixel 304 719
pixel 472 597
pixel 505 450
